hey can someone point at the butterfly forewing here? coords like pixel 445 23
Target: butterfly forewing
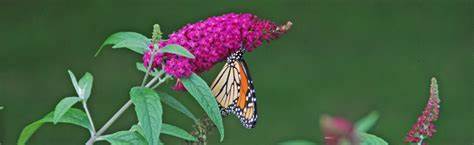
pixel 224 86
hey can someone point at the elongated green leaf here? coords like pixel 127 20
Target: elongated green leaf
pixel 364 124
pixel 134 45
pixel 63 106
pixel 297 142
pixel 28 131
pixel 169 130
pixel 142 68
pixel 370 139
pixel 126 138
pixel 177 132
pixel 131 40
pixel 1 107
pixel 73 116
pixel 176 49
pixel 85 83
pixel 75 83
pixel 199 89
pixel 149 112
pixel 175 104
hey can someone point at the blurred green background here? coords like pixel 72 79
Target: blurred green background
pixel 343 58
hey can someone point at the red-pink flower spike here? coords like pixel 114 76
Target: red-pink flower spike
pixel 424 127
pixel 336 130
pixel 213 40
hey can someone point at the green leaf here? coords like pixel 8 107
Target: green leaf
pixel 149 112
pixel 297 142
pixel 28 131
pixel 73 116
pixel 369 139
pixel 131 40
pixel 364 124
pixel 1 107
pixel 169 130
pixel 63 106
pixel 134 45
pixel 142 68
pixel 125 138
pixel 74 82
pixel 177 132
pixel 138 129
pixel 199 89
pixel 175 104
pixel 85 83
pixel 176 49
pixel 84 86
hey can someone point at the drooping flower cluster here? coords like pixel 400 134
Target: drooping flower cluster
pixel 337 130
pixel 212 40
pixel 425 127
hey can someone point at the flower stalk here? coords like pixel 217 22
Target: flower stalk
pixel 156 37
pixel 86 109
pixel 109 123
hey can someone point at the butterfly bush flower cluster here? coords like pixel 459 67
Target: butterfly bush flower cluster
pixel 425 127
pixel 212 40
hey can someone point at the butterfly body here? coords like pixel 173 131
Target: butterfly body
pixel 234 90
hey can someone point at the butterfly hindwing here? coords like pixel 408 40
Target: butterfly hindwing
pixel 247 101
pixel 234 91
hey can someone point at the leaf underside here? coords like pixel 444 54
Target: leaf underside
pixel 201 92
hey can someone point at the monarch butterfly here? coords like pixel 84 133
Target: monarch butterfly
pixel 234 90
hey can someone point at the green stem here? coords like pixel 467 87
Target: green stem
pixel 161 81
pixel 109 123
pixel 150 63
pixel 118 114
pixel 152 81
pixel 84 105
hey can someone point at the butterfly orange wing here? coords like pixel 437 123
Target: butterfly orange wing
pixel 234 92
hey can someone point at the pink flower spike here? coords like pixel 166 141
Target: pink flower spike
pixel 213 40
pixel 424 127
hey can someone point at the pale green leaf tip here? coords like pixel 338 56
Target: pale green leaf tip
pixel 100 49
pixel 70 72
pixel 71 75
pixel 375 114
pixel 221 131
pixel 88 74
pixel 370 118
